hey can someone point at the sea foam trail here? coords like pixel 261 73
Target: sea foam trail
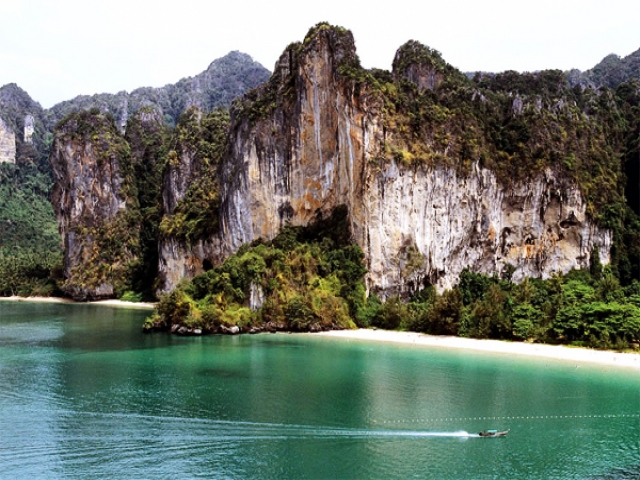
pixel 131 425
pixel 253 430
pixel 403 433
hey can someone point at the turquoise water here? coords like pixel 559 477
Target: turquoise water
pixel 84 394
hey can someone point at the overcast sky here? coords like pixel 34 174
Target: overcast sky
pixel 58 49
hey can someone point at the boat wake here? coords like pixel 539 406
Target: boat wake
pixel 131 426
pixel 403 433
pixel 258 430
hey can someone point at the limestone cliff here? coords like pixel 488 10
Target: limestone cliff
pixel 7 144
pixel 430 190
pixel 190 196
pixel 95 205
pixel 432 223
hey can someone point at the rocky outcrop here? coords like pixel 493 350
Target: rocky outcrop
pixel 420 65
pixel 95 206
pixel 267 180
pixel 29 128
pixel 309 154
pixel 7 144
pixel 180 259
pixel 317 136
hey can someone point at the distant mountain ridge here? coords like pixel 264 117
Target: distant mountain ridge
pixel 225 79
pixel 610 72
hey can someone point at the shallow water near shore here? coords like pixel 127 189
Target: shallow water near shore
pixel 84 393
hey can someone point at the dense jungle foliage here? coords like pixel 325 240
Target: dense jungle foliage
pixel 107 245
pixel 582 308
pixel 30 257
pixel 202 138
pixel 307 278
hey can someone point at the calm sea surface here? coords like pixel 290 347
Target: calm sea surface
pixel 84 394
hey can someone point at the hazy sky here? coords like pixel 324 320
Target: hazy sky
pixel 57 49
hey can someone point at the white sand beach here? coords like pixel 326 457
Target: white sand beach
pixel 120 303
pixel 109 303
pixel 558 352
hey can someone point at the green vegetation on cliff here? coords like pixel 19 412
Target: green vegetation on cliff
pixel 610 72
pixel 517 125
pixel 307 278
pixel 30 257
pixel 203 137
pixel 147 136
pixel 105 243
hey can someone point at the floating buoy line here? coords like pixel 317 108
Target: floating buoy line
pixel 520 417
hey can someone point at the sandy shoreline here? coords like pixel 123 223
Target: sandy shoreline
pixel 109 303
pixel 557 352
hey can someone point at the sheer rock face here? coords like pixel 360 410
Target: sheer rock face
pixel 318 143
pixel 91 207
pixel 431 224
pixel 309 154
pixel 7 144
pixel 177 257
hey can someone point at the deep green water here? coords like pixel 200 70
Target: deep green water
pixel 84 394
